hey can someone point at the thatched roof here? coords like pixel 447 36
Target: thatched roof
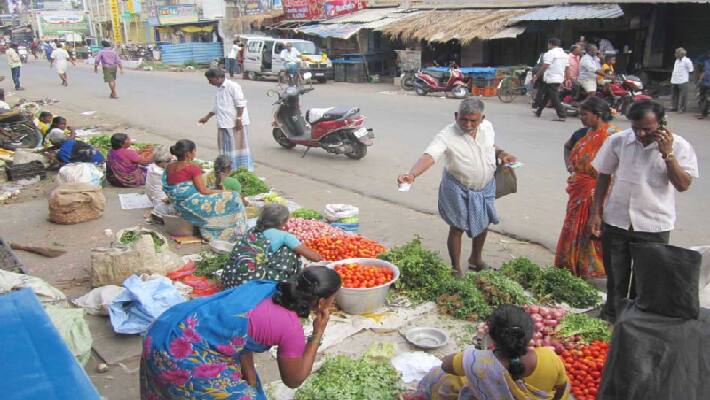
pixel 446 25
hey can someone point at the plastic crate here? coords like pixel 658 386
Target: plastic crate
pixel 25 171
pixel 489 91
pixel 476 91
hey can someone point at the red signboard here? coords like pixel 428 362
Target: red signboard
pixel 320 9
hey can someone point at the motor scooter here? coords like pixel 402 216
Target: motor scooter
pixel 424 83
pixel 336 130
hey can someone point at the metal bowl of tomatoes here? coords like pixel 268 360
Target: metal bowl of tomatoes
pixel 366 282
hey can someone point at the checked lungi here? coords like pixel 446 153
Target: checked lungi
pixel 467 209
pixel 235 144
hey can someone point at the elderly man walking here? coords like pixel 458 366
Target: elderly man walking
pixel 649 164
pixel 468 188
pixel 230 107
pixel 682 68
pixel 110 64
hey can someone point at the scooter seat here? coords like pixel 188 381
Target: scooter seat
pixel 330 114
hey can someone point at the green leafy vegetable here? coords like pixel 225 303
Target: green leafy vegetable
pixel 522 270
pixel 251 184
pixel 562 286
pixel 498 288
pixel 589 329
pixel 210 263
pixel 346 378
pixel 307 213
pixel 130 237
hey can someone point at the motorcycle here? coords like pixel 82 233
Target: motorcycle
pixel 22 52
pixel 336 130
pixel 17 129
pixel 424 83
pixel 619 94
pixel 406 80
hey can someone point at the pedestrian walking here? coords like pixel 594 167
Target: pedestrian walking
pixel 553 72
pixel 680 79
pixel 60 60
pixel 230 108
pixel 232 65
pixel 467 190
pixel 649 164
pixel 15 63
pixel 704 85
pixel 110 64
pixel 589 69
pixel 47 48
pixel 575 250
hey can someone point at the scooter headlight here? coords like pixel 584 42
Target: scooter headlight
pixel 292 91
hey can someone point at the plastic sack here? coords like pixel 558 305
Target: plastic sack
pixel 80 173
pixel 344 213
pixel 200 285
pixel 134 310
pixel 72 326
pixel 96 302
pixel 11 281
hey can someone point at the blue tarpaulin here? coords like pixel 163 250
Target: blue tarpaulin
pixel 35 363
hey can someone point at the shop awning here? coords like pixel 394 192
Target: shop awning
pixel 338 31
pixel 572 12
pixel 346 26
pixel 462 25
pixel 510 32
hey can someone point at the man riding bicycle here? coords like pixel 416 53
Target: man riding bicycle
pixel 290 56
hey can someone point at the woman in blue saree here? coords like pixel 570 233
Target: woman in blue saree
pixel 218 213
pixel 203 349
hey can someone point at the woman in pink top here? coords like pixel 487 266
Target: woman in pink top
pixel 125 167
pixel 205 348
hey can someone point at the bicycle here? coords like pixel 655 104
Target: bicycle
pixel 515 85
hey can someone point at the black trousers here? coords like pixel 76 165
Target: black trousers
pixel 546 93
pixel 617 262
pixel 704 102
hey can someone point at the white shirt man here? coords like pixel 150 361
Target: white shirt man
pixel 290 55
pixel 682 68
pixel 554 70
pixel 234 51
pixel 229 97
pixel 589 65
pixel 558 61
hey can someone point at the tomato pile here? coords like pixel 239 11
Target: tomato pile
pixel 363 276
pixel 584 367
pixel 336 248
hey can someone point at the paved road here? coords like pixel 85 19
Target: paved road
pixel 171 103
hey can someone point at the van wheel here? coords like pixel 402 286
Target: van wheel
pixel 253 76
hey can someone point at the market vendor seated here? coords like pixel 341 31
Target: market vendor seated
pixel 204 348
pixel 510 372
pixel 59 125
pixel 70 150
pixel 126 167
pixel 43 122
pixel 219 178
pixel 154 182
pixel 218 213
pixel 266 251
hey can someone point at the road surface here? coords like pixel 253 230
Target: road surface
pixel 170 103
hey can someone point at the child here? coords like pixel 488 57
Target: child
pixel 220 179
pixel 59 125
pixel 69 150
pixel 43 122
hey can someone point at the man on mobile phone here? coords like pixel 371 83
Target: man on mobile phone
pixel 649 164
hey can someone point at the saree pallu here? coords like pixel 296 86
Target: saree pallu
pixel 234 143
pixel 192 350
pixel 576 251
pixel 219 216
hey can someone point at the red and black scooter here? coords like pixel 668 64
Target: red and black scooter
pixel 424 83
pixel 336 130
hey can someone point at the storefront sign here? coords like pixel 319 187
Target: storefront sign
pixel 116 22
pixel 336 8
pixel 179 14
pixel 56 24
pixel 255 7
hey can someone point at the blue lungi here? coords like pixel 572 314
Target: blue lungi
pixel 467 209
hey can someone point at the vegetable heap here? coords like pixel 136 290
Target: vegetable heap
pixel 363 276
pixel 584 369
pixel 130 237
pixel 336 248
pixel 585 328
pixel 272 197
pixel 251 184
pixel 308 229
pixel 557 284
pixel 307 213
pixel 209 264
pixel 346 378
pixel 103 143
pixel 498 289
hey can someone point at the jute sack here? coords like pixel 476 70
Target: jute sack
pixel 73 203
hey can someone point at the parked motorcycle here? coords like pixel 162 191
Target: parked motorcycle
pixel 336 130
pixel 406 80
pixel 424 83
pixel 23 53
pixel 619 94
pixel 17 129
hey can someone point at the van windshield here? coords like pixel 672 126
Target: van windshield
pixel 305 47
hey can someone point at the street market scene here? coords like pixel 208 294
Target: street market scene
pixel 354 199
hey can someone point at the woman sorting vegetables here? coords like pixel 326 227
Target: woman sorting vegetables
pixel 219 214
pixel 126 167
pixel 204 348
pixel 510 372
pixel 266 251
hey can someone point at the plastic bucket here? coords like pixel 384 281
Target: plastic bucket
pixel 364 301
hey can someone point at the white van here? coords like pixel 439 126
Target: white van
pixel 261 58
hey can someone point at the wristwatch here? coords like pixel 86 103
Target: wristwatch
pixel 668 157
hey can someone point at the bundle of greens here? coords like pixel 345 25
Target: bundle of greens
pixel 100 142
pixel 307 213
pixel 498 288
pixel 562 286
pixel 461 299
pixel 210 263
pixel 522 270
pixel 587 328
pixel 346 378
pixel 130 237
pixel 251 184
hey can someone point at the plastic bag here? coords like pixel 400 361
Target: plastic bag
pixel 134 310
pixel 72 326
pixel 11 281
pixel 96 302
pixel 338 212
pixel 80 173
pixel 200 285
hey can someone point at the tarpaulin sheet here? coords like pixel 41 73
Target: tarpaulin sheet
pixel 35 363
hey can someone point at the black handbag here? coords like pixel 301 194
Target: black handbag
pixel 506 180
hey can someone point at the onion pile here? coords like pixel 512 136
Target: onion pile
pixel 545 321
pixel 307 229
